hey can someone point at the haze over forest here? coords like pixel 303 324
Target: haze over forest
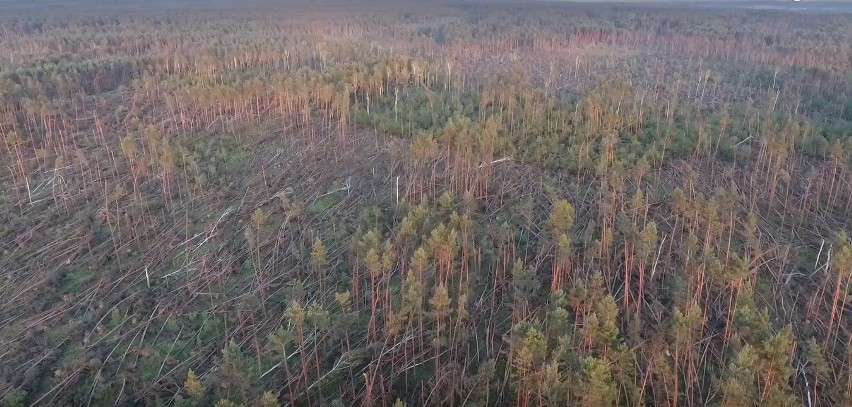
pixel 293 5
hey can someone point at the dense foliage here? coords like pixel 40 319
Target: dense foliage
pixel 544 204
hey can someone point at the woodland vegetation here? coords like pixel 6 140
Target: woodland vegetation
pixel 477 205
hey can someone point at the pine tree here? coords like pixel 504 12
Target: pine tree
pixel 775 369
pixel 440 303
pixel 644 252
pixel 269 400
pixel 817 368
pixel 738 388
pixel 561 218
pixel 607 314
pixel 842 265
pixel 598 388
pixel 529 350
pixel 524 288
pixel 193 387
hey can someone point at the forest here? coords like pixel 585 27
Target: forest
pixel 465 203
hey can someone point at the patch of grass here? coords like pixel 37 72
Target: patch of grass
pixel 323 203
pixel 232 163
pixel 151 363
pixel 74 280
pixel 15 398
pixel 212 328
pixel 72 355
